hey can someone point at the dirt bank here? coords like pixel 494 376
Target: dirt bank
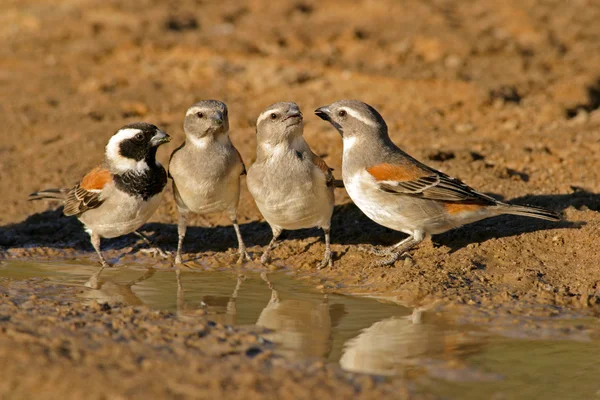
pixel 503 97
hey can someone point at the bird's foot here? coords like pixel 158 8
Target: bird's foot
pixel 178 262
pixel 155 252
pixel 375 251
pixel 389 259
pixel 178 259
pixel 265 259
pixel 243 256
pixel 326 262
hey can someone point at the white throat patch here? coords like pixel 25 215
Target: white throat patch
pixel 359 117
pixel 116 160
pixel 280 149
pixel 203 142
pixel 349 143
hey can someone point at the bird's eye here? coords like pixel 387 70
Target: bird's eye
pixel 273 116
pixel 139 137
pixel 342 113
pixel 199 115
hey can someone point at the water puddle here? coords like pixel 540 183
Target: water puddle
pixel 463 361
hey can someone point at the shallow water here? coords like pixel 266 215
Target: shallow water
pixel 462 361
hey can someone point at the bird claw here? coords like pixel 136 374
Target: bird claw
pixel 155 252
pixel 326 262
pixel 375 251
pixel 265 259
pixel 178 260
pixel 390 259
pixel 243 256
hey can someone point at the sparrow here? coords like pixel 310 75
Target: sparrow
pixel 399 192
pixel 292 187
pixel 118 196
pixel 206 170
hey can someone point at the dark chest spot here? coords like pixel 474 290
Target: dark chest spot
pixel 145 185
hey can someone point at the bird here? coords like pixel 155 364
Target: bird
pixel 206 170
pixel 118 196
pixel 291 185
pixel 399 192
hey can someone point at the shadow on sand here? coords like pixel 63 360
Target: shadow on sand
pixel 349 226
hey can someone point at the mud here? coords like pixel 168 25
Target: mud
pixel 503 95
pixel 262 335
pixel 52 348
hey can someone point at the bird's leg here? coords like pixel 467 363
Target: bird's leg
pixel 95 239
pixel 153 250
pixel 243 254
pixel 396 251
pixel 181 229
pixel 327 259
pixel 266 257
pixel 375 251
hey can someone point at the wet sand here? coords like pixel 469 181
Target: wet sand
pixel 504 96
pixel 52 346
pixel 266 335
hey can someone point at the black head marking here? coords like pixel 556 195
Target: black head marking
pixel 142 146
pixel 139 146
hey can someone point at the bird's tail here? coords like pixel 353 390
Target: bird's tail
pixel 530 211
pixel 49 194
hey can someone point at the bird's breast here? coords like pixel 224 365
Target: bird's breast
pixel 120 214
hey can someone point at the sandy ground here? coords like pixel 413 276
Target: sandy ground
pixel 503 95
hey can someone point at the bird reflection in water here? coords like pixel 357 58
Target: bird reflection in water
pixel 301 329
pixel 389 346
pixel 222 309
pixel 109 291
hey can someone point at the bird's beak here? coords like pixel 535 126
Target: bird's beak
pixel 159 138
pixel 293 113
pixel 217 119
pixel 323 113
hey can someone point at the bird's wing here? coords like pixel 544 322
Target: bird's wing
pixel 424 182
pixel 322 165
pixel 171 157
pixel 86 194
pixel 242 161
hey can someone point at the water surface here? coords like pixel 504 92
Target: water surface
pixel 459 361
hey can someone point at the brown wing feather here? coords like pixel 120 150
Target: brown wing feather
pixel 397 172
pixel 86 194
pixel 412 180
pixel 96 179
pixel 322 165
